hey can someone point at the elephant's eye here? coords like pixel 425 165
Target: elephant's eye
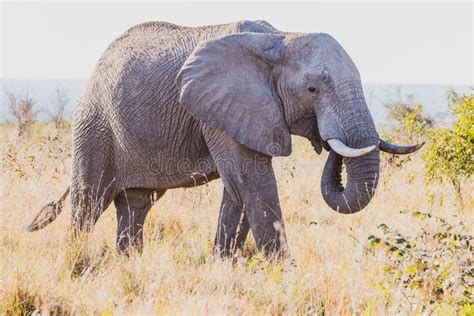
pixel 313 89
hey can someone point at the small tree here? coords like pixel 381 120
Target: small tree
pixel 22 109
pixel 60 103
pixel 450 153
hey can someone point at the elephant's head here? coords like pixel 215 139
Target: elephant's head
pixel 260 88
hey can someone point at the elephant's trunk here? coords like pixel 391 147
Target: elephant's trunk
pixel 353 126
pixel 362 178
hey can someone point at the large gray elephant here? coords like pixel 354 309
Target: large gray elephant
pixel 170 106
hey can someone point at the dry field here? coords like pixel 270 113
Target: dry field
pixel 335 268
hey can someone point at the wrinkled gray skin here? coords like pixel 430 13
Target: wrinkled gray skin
pixel 170 106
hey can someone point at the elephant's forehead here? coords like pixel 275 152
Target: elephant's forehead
pixel 321 52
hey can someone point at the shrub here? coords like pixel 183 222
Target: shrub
pixel 450 153
pixel 411 123
pixel 432 272
pixel 22 109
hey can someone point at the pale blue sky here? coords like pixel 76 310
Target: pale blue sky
pixel 389 42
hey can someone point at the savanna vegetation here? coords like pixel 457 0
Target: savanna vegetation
pixel 410 251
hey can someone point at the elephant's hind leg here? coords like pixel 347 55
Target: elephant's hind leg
pixel 133 206
pixel 232 228
pixel 88 202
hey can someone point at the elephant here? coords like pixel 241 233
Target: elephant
pixel 170 106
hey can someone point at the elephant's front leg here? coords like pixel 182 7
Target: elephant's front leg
pixel 232 227
pixel 250 182
pixel 262 208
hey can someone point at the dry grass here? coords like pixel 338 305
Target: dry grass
pixel 334 272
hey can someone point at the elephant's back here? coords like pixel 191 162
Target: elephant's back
pixel 167 43
pixel 162 39
pixel 139 68
pixel 148 55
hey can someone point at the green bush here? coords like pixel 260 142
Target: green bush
pixel 450 152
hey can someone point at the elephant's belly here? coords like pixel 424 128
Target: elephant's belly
pixel 162 173
pixel 188 181
pixel 185 173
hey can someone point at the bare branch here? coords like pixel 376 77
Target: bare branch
pixel 60 103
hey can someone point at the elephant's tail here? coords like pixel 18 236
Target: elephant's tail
pixel 48 213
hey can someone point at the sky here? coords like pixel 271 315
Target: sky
pixel 405 43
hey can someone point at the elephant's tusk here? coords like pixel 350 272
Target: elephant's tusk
pixel 345 151
pixel 398 150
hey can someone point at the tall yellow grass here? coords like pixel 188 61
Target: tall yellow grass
pixel 331 270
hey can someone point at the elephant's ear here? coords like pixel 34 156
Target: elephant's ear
pixel 227 84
